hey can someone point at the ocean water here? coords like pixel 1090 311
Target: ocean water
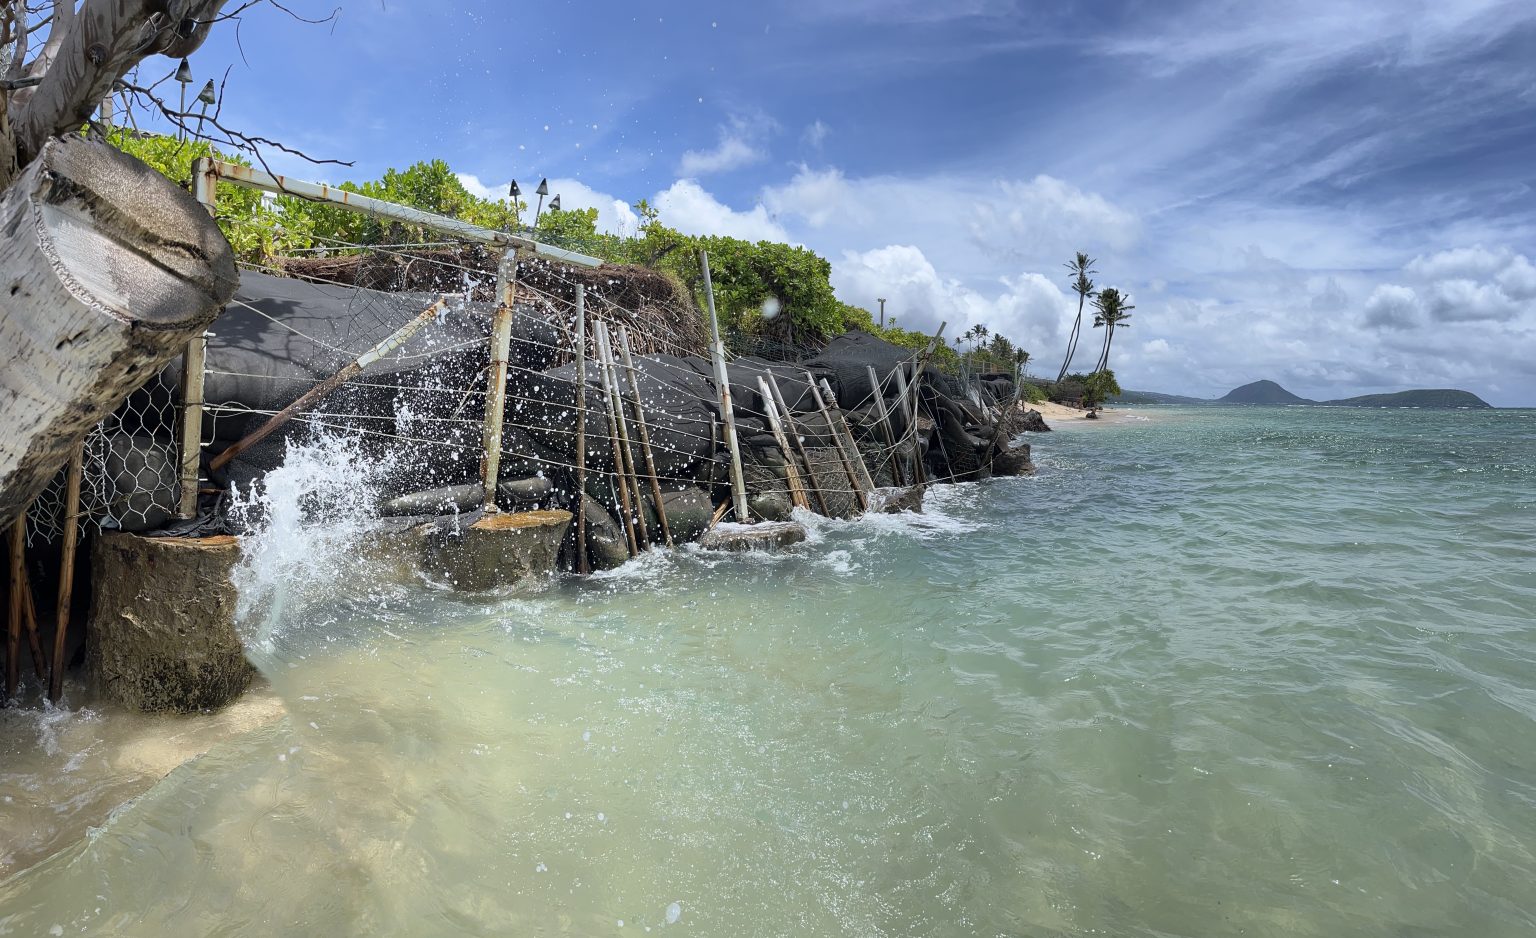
pixel 1266 672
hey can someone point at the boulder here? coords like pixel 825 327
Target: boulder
pixel 765 535
pixel 500 549
pixel 607 546
pixel 894 500
pixel 688 513
pixel 161 634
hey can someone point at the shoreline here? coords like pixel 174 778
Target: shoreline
pixel 1075 416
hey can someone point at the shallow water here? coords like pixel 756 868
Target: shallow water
pixel 1220 672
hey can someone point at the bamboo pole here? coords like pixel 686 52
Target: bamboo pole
pixel 613 442
pixel 29 619
pixel 717 351
pixel 628 476
pixel 837 442
pixel 817 488
pixel 885 424
pixel 66 573
pixel 313 396
pixel 496 385
pixel 853 444
pixel 13 635
pixel 645 435
pixel 791 474
pixel 583 566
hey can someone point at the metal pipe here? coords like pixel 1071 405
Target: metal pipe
pixel 252 178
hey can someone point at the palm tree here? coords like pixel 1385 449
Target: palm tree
pixel 1112 311
pixel 1080 266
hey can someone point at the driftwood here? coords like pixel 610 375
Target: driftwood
pixel 106 270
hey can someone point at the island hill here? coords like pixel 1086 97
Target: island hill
pixel 1268 392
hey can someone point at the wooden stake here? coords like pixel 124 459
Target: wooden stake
pixel 853 444
pixel 13 634
pixel 613 441
pixel 645 436
pixel 193 373
pixel 918 476
pixel 642 529
pixel 496 383
pixel 29 619
pixel 791 474
pixel 885 423
pixel 583 567
pixel 717 351
pixel 837 442
pixel 311 397
pixel 817 488
pixel 66 573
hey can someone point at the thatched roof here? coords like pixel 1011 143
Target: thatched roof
pixel 658 309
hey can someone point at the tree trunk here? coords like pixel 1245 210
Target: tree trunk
pixel 106 270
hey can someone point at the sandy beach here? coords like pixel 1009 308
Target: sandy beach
pixel 1055 414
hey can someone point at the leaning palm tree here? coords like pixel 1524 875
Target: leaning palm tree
pixel 1080 266
pixel 1111 312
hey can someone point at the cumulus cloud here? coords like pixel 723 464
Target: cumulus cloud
pixel 1460 285
pixel 742 142
pixel 1027 308
pixel 1393 306
pixel 1024 219
pixel 688 207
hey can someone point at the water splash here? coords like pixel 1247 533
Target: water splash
pixel 306 523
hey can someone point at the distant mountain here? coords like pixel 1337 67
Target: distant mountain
pixel 1423 397
pixel 1261 392
pixel 1155 397
pixel 1268 392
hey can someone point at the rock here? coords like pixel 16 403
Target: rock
pixel 500 549
pixel 1033 423
pixel 894 500
pixel 443 500
pixel 1013 462
pixel 765 535
pixel 770 506
pixel 688 513
pixel 161 634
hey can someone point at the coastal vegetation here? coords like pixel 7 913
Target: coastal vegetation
pixel 764 289
pixel 1112 309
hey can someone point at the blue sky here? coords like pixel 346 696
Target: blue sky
pixel 1340 196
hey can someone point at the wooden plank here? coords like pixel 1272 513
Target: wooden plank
pixel 722 379
pixel 791 474
pixel 66 574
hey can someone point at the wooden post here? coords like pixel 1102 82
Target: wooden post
pixel 837 442
pixel 613 441
pixel 193 370
pixel 918 476
pixel 13 634
pixel 583 567
pixel 717 351
pixel 645 436
pixel 817 488
pixel 496 385
pixel 791 474
pixel 841 423
pixel 628 475
pixel 29 618
pixel 66 573
pixel 885 423
pixel 313 396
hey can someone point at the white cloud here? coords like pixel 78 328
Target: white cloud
pixel 1393 306
pixel 742 142
pixel 1024 219
pixel 686 206
pixel 1029 309
pixel 815 135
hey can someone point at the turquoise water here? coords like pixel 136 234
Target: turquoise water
pixel 1216 672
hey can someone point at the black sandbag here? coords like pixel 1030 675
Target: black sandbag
pixel 846 361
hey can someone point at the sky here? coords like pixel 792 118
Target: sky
pixel 1336 195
